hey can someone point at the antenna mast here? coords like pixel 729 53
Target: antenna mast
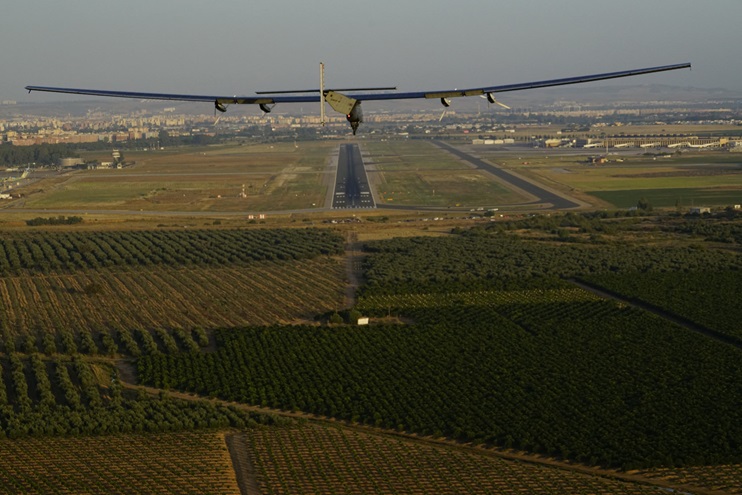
pixel 322 93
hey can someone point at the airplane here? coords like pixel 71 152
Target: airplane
pixel 348 101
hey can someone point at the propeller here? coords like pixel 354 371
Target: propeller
pixel 491 99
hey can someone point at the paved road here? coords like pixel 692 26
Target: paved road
pixel 557 202
pixel 351 186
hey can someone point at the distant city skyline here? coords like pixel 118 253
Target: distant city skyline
pixel 231 47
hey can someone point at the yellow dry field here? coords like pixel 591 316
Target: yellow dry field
pixel 168 463
pixel 724 479
pixel 158 297
pixel 313 459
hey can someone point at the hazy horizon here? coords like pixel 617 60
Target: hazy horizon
pixel 232 47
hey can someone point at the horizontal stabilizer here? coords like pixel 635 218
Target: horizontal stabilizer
pixel 317 90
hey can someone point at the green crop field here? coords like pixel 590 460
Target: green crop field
pixel 709 298
pixel 497 348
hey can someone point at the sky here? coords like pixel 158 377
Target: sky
pixel 238 47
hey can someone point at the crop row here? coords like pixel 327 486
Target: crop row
pixel 42 252
pixel 313 459
pixel 410 301
pixel 66 397
pixel 709 298
pixel 588 380
pixel 121 341
pixel 89 311
pixel 161 463
pixel 496 262
pixel 723 479
pixel 711 230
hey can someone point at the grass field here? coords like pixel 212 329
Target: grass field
pixel 700 179
pixel 418 173
pixel 613 178
pixel 275 177
pixel 284 176
pixel 672 197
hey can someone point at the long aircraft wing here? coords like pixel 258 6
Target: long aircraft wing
pixel 349 103
pixel 305 98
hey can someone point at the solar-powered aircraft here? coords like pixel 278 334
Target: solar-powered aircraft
pixel 348 101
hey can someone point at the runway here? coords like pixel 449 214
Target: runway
pixel 351 183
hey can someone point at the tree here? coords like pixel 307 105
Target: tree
pixel 353 316
pixel 644 204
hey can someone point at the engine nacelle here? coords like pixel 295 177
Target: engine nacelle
pixel 355 117
pixel 220 106
pixel 265 108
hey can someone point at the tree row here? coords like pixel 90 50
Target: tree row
pixel 37 251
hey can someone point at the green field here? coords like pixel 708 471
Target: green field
pixel 671 197
pixel 284 176
pixel 498 350
pixel 275 177
pixel 501 350
pixel 95 283
pixel 416 173
pixel 689 179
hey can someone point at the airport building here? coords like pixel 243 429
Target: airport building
pixel 652 142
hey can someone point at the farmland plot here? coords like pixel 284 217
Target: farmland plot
pixel 92 301
pixel 591 380
pixel 63 396
pixel 83 287
pixel 167 463
pixel 70 251
pixel 709 298
pixel 317 460
pixel 725 478
pixel 502 351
